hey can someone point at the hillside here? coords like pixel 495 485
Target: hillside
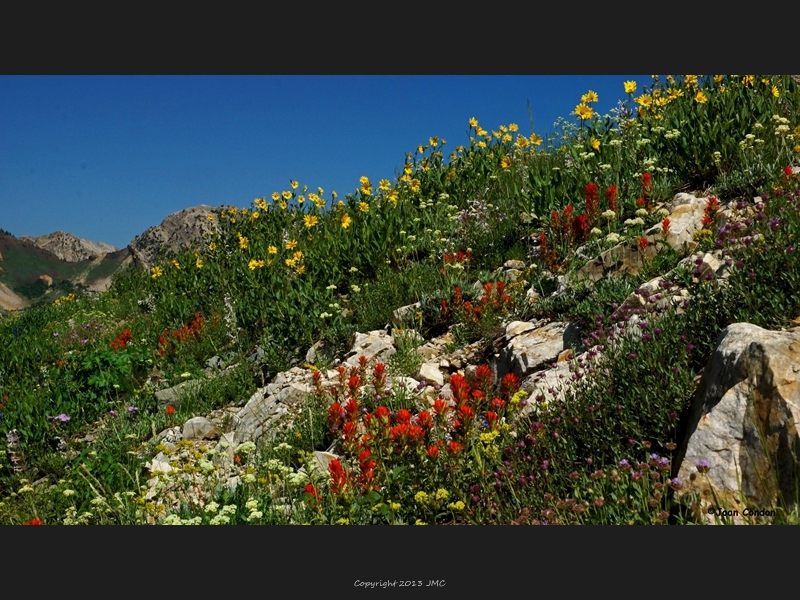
pixel 598 327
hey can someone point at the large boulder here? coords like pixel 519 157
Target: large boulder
pixel 743 423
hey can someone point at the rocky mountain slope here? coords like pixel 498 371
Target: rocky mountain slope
pixel 179 231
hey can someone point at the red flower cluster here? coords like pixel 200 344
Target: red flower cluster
pixel 494 300
pixel 383 437
pixel 35 521
pixel 611 198
pixel 592 203
pixel 122 341
pixel 647 189
pixel 665 228
pixel 710 215
pixel 547 255
pixel 180 335
pixel 457 257
pixel 568 228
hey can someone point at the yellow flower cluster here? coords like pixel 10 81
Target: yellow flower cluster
pixel 254 264
pixel 243 241
pixel 156 272
pixel 68 298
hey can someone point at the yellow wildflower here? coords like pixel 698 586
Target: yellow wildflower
pixel 176 264
pixel 747 80
pixel 535 139
pixel 283 205
pixel 365 182
pixel 243 241
pixel 630 87
pixel 294 184
pixel 320 191
pixel 481 131
pixel 298 255
pixel 392 196
pixel 700 97
pixel 522 141
pixel 287 195
pixel 261 203
pixel 433 141
pixel 290 262
pixel 595 144
pixel 775 91
pixel 384 184
pixel 497 134
pixel 675 93
pixel 583 112
pixel 212 246
pixel 589 96
pixel 156 272
pixel 420 149
pixel 505 162
pixel 301 199
pixel 346 220
pixel 473 122
pixel 199 263
pixel 310 220
pixel 415 185
pixel 276 196
pixel 643 100
pixel 291 244
pixel 481 144
pixel 718 78
pixel 334 195
pixel 300 270
pixel 210 216
pixel 507 137
pixel 363 207
pixel 272 250
pixel 254 264
pixel 690 79
pixel 513 127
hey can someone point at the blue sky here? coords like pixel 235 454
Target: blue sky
pixel 106 157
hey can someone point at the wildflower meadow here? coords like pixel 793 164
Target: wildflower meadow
pixel 83 416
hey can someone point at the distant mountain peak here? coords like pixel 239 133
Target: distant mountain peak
pixel 70 247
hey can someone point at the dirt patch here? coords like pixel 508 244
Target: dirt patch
pixel 9 300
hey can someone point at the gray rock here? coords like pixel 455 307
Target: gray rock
pixel 429 371
pixel 403 315
pixel 198 428
pixel 176 393
pixel 377 346
pixel 531 350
